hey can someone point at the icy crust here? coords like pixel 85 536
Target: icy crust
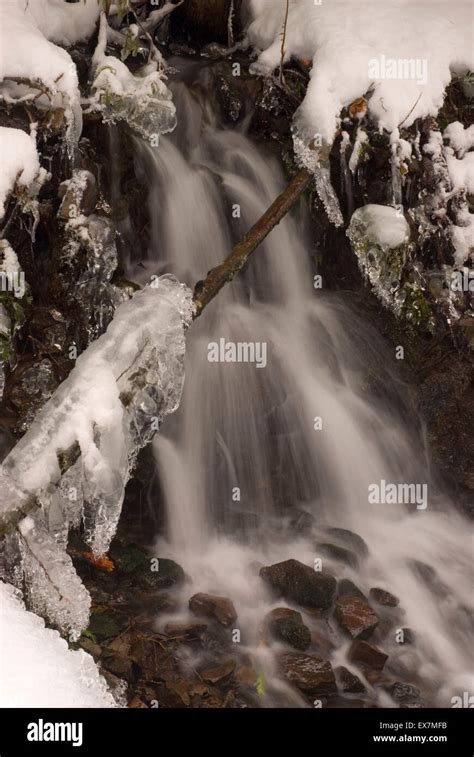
pixel 37 669
pixel 111 404
pixel 352 43
pixel 142 100
pixel 20 166
pixel 380 238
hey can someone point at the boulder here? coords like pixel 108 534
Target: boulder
pixel 367 655
pixel 313 676
pixel 405 693
pixel 300 584
pixel 348 682
pixel 150 572
pixel 290 631
pixel 383 597
pixel 350 540
pixel 356 617
pixel 346 588
pixel 211 606
pixel 341 554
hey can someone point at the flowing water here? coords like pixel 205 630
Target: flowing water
pixel 259 460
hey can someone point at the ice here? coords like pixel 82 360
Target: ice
pixel 53 588
pixel 142 100
pixel 111 404
pixel 380 236
pixel 37 667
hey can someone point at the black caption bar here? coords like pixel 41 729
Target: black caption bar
pixel 109 732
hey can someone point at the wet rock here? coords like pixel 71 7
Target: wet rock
pixel 367 655
pixel 341 554
pixel 350 540
pixel 355 616
pixel 245 675
pixel 346 588
pixel 219 608
pixel 313 676
pixel 284 613
pixel 103 624
pixel 321 640
pixel 231 106
pixel 383 597
pixel 405 693
pixel 348 682
pixel 153 572
pixel 220 672
pixel 79 195
pixel 302 522
pixel 301 584
pixel 290 631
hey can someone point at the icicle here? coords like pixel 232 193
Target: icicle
pixel 53 587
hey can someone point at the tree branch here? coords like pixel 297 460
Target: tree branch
pixel 206 290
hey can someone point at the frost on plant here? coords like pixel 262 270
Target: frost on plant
pixel 111 404
pixel 142 100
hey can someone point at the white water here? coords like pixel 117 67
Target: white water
pixel 240 426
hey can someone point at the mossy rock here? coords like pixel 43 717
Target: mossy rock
pixel 292 632
pixel 153 572
pixel 103 625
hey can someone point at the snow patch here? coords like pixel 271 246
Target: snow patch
pixel 345 37
pixel 19 164
pixel 37 669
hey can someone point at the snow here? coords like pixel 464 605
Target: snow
pixel 384 225
pixel 64 23
pixel 143 100
pixel 29 27
pixel 37 669
pixel 352 43
pixel 460 139
pixel 19 162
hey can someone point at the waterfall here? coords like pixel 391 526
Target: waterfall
pixel 253 453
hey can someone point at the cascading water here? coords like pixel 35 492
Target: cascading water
pixel 260 458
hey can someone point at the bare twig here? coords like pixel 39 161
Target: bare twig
pixel 411 111
pixel 283 39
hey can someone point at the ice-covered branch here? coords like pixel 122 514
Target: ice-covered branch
pixel 76 458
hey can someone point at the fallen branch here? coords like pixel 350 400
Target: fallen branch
pixel 206 290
